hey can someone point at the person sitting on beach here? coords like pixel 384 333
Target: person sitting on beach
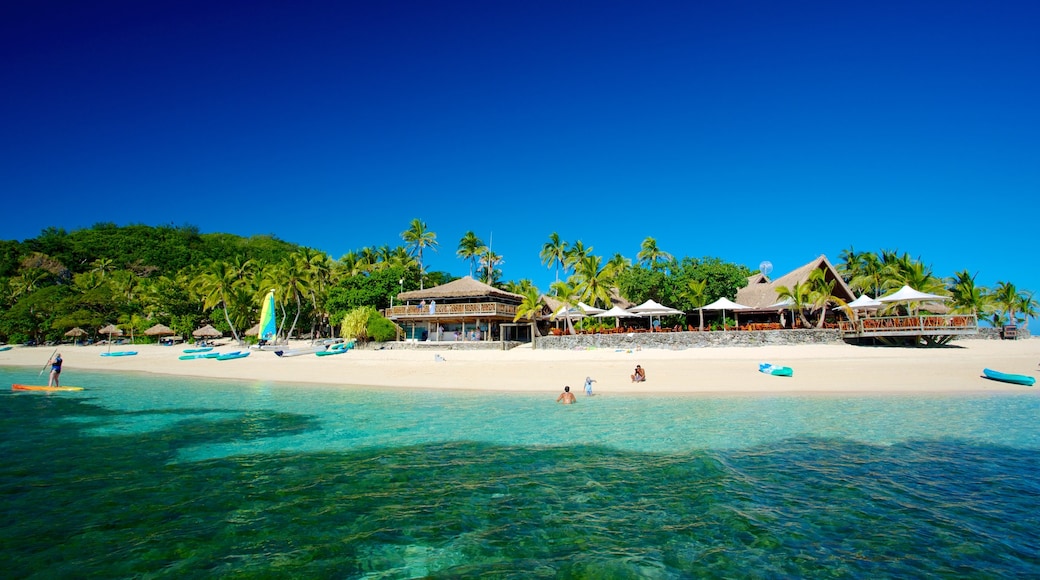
pixel 639 375
pixel 566 397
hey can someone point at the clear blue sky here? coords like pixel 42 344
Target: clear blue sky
pixel 743 130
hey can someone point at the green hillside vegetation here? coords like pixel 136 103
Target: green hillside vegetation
pixel 137 276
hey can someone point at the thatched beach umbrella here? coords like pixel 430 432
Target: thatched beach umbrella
pixel 110 330
pixel 207 332
pixel 76 332
pixel 160 330
pixel 253 330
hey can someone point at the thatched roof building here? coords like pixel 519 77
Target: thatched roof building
pixel 463 288
pixel 761 294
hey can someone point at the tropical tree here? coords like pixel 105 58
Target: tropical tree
pixel 1028 307
pixel 418 237
pixel 566 294
pixel 593 281
pixel 696 293
pixel 489 262
pixel 821 293
pixel 576 253
pixel 554 253
pixel 530 309
pixel 967 298
pixel 649 254
pixel 868 276
pixel 799 297
pixel 471 248
pixel 1006 297
pixel 216 285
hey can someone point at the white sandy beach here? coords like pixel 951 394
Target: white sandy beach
pixel 817 368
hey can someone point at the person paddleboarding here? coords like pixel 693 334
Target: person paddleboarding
pixel 55 363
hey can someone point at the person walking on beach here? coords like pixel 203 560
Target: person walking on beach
pixel 588 386
pixel 566 397
pixel 55 370
pixel 639 375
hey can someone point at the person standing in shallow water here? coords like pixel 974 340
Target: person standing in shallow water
pixel 55 371
pixel 566 397
pixel 588 386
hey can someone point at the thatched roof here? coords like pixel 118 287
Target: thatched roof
pixel 111 329
pixel 159 330
pixel 77 331
pixel 207 331
pixel 464 287
pixel 763 294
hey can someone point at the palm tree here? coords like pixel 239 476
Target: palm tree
pixel 967 297
pixel 1006 298
pixel 489 261
pixel 530 309
pixel 618 264
pixel 820 294
pixel 1028 307
pixel 471 248
pixel 869 275
pixel 102 266
pixel 293 279
pixel 554 253
pixel 593 281
pixel 696 293
pixel 799 298
pixel 576 253
pixel 216 285
pixel 418 237
pixel 850 265
pixel 649 254
pixel 565 293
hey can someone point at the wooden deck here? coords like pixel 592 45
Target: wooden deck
pixel 931 328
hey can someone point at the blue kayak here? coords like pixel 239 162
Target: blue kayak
pixel 776 371
pixel 233 355
pixel 120 353
pixel 1025 380
pixel 197 350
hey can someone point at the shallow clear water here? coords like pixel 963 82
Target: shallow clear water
pixel 162 477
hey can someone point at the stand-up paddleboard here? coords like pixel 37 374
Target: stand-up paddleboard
pixel 120 353
pixel 1024 380
pixel 43 388
pixel 776 371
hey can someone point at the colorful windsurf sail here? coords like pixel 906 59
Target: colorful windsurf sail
pixel 267 324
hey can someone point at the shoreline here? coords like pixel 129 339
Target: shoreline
pixel 818 369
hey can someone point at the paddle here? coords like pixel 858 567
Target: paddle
pixel 48 362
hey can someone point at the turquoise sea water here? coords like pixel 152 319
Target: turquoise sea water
pixel 144 476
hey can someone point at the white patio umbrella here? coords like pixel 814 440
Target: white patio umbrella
pixel 617 313
pixel 909 295
pixel 651 308
pixel 590 310
pixel 567 313
pixel 725 304
pixel 864 302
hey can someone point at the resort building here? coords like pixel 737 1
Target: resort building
pixel 461 310
pixel 763 299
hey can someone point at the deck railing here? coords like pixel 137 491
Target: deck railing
pixel 931 324
pixel 467 309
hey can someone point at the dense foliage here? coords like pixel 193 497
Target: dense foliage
pixel 138 276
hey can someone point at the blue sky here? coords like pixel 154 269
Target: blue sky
pixel 747 131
